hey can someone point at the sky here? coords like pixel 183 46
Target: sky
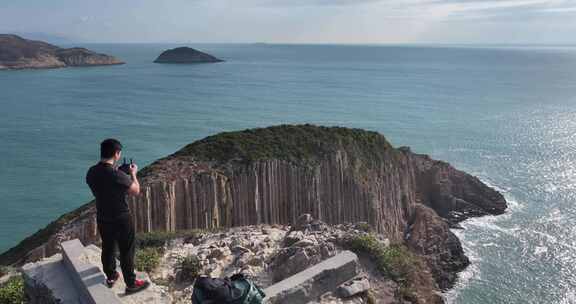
pixel 296 21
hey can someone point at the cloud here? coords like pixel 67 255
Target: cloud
pixel 563 9
pixel 272 3
pixel 419 8
pixel 518 5
pixel 503 9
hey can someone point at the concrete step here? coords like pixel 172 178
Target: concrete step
pixel 47 281
pixel 307 285
pixel 87 277
pixel 75 277
pixel 153 294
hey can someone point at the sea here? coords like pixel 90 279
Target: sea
pixel 506 114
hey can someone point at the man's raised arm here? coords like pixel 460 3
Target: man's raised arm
pixel 135 186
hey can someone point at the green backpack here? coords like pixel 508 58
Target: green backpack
pixel 236 290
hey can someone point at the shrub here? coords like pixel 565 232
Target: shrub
pixel 162 281
pixel 189 268
pixel 147 259
pixel 158 239
pixel 407 293
pixel 363 226
pixel 12 292
pixel 154 239
pixel 370 297
pixel 394 261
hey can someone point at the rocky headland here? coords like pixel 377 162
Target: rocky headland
pixel 185 55
pixel 19 53
pixel 271 176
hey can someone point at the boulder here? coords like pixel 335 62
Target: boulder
pixel 354 287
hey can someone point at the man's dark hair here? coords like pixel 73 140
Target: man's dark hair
pixel 109 147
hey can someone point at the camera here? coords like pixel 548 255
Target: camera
pixel 125 167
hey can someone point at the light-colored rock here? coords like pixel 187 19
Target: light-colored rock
pixel 298 257
pixel 303 221
pixel 353 287
pixel 294 237
pixel 311 283
pixel 305 243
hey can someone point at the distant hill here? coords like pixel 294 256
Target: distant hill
pixel 47 37
pixel 185 55
pixel 19 53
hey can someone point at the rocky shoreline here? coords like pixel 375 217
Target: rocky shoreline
pixel 273 175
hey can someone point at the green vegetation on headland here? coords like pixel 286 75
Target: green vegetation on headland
pixel 151 245
pixel 158 239
pixel 147 259
pixel 287 142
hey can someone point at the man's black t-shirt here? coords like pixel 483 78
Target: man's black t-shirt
pixel 109 186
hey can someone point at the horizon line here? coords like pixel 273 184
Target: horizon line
pixel 519 44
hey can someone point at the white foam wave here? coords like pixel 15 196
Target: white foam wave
pixel 472 272
pixel 569 298
pixel 539 250
pixel 484 223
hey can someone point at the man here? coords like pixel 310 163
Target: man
pixel 110 187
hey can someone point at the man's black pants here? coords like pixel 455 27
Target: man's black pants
pixel 119 232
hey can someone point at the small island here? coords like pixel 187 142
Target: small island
pixel 19 53
pixel 185 55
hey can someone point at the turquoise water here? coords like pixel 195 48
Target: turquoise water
pixel 503 114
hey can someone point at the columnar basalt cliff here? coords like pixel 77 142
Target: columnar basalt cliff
pixel 19 53
pixel 273 175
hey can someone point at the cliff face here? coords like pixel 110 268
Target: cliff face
pixel 20 53
pixel 453 194
pixel 275 174
pixel 277 191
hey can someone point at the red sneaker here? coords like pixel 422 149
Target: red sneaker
pixel 110 281
pixel 139 285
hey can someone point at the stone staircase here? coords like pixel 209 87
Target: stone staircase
pixel 87 277
pixel 75 276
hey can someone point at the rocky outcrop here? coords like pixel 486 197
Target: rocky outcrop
pixel 20 53
pixel 429 236
pixel 257 252
pixel 453 194
pixel 273 175
pixel 185 55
